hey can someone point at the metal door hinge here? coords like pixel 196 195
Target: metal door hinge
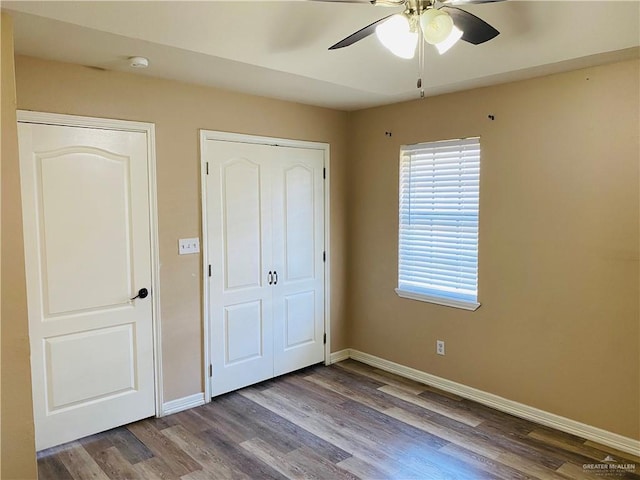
pixel 207 164
pixel 210 370
pixel 209 270
pixel 324 256
pixel 324 339
pixel 324 173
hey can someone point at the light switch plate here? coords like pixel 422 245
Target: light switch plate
pixel 188 246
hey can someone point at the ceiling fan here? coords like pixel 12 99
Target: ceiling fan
pixel 438 22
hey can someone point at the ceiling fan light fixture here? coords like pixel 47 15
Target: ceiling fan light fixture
pixel 396 35
pixel 436 25
pixel 450 41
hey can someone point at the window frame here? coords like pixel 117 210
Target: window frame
pixel 430 294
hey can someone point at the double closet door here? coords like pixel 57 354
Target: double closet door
pixel 265 246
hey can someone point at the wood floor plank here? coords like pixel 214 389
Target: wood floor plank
pixel 383 377
pixel 198 475
pixel 114 465
pixel 129 446
pixel 530 467
pixel 328 429
pixel 378 402
pixel 193 420
pixel 476 445
pixel 415 448
pixel 460 416
pixel 316 466
pixel 528 447
pixel 155 469
pixel 362 469
pixel 273 457
pixel 398 453
pixel 344 422
pixel 80 464
pixel 286 435
pixel 484 463
pixel 132 449
pixel 178 461
pixel 52 467
pixel 199 450
pixel 237 458
pixel 302 463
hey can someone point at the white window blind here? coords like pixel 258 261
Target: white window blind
pixel 438 238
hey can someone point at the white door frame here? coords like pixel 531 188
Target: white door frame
pixel 26 116
pixel 280 142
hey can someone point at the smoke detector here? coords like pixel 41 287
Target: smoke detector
pixel 138 62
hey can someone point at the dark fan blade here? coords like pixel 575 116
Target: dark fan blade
pixel 359 35
pixel 381 3
pixel 461 2
pixel 475 29
pixel 346 1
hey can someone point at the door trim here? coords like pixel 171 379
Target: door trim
pixel 27 116
pixel 282 142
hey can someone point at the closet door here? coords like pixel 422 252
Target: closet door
pixel 239 248
pixel 298 246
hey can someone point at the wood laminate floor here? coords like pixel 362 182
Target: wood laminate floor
pixel 347 421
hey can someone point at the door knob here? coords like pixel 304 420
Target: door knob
pixel 142 293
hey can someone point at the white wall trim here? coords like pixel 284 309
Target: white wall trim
pixel 327 249
pixel 517 409
pixel 206 321
pixel 247 138
pixel 27 116
pixel 184 403
pixel 339 356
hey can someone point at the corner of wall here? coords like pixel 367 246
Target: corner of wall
pixel 17 439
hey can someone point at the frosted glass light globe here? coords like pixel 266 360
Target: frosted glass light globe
pixel 396 35
pixel 436 25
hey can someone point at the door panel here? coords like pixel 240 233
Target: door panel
pixel 66 384
pixel 298 226
pixel 299 223
pixel 70 264
pixel 242 228
pixel 87 251
pixel 239 246
pixel 296 307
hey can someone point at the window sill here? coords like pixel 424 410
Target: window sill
pixel 447 302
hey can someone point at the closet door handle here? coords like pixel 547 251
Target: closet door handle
pixel 276 275
pixel 270 277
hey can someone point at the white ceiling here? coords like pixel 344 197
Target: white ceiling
pixel 279 49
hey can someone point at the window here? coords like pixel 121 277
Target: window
pixel 438 237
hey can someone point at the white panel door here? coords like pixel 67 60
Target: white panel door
pixel 265 229
pixel 87 253
pixel 298 246
pixel 239 251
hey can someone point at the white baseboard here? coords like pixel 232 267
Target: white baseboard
pixel 338 356
pixel 517 409
pixel 184 403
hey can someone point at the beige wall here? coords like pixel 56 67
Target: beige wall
pixel 558 248
pixel 179 111
pixel 16 416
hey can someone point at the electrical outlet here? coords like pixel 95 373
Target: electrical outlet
pixel 187 246
pixel 440 347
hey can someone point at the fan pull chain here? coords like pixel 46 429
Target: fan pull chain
pixel 420 62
